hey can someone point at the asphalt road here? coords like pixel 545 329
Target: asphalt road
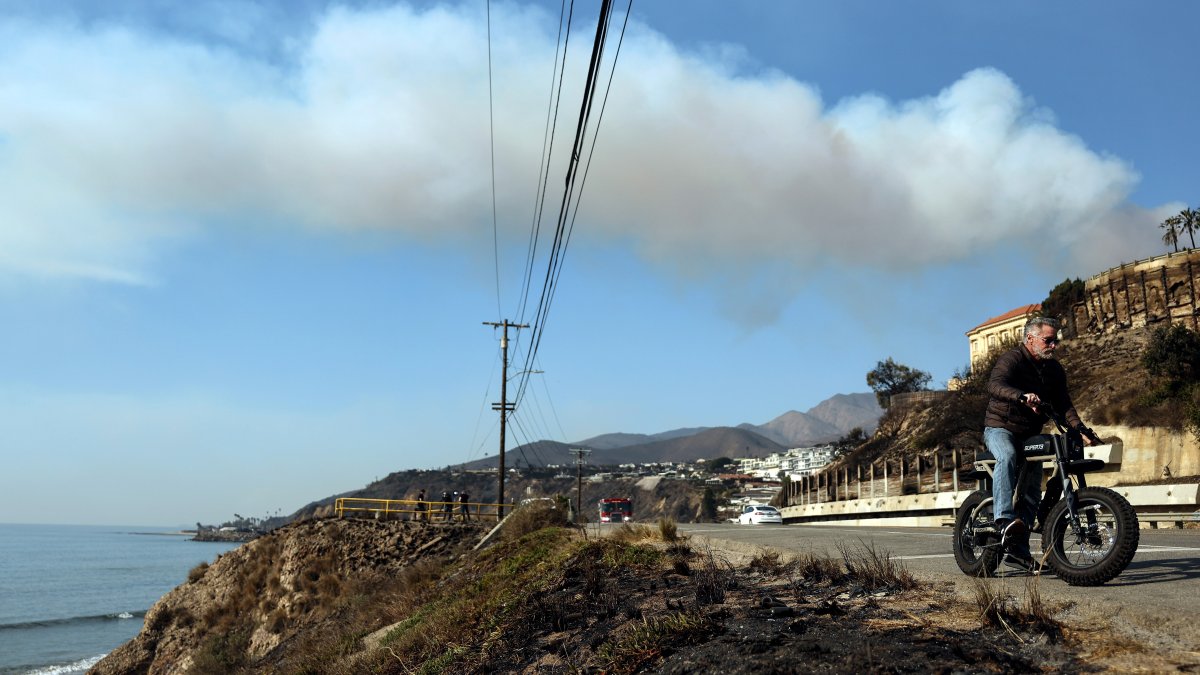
pixel 1158 593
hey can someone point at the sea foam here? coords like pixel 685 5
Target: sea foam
pixel 80 666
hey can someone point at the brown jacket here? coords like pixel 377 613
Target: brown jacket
pixel 1017 373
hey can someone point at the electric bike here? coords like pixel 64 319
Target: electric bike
pixel 1089 534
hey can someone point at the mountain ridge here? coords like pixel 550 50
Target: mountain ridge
pixel 825 422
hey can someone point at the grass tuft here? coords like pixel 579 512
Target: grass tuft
pixel 668 530
pixel 999 609
pixel 648 640
pixel 876 570
pixel 767 562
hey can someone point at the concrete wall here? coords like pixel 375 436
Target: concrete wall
pixel 1159 289
pixel 1146 451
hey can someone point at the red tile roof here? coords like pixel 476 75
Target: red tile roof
pixel 1023 310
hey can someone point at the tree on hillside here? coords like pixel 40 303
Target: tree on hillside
pixel 853 438
pixel 1173 358
pixel 1061 300
pixel 890 378
pixel 1173 354
pixel 716 465
pixel 708 506
pixel 1171 232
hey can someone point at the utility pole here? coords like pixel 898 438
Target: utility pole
pixel 579 453
pixel 503 406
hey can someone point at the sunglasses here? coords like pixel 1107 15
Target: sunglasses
pixel 1048 340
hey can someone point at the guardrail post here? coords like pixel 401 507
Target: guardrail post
pixel 954 474
pixel 918 474
pixel 858 479
pixel 885 477
pixel 937 471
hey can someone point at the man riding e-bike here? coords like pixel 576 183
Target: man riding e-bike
pixel 1022 379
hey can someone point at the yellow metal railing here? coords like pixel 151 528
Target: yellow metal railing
pixel 411 509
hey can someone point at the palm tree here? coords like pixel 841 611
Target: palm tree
pixel 1171 236
pixel 1189 221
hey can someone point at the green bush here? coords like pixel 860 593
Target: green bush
pixel 1172 358
pixel 1173 354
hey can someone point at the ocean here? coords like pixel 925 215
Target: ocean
pixel 69 594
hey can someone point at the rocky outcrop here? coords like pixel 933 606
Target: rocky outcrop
pixel 258 596
pixel 1144 292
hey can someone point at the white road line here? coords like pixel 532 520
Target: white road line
pixel 1163 549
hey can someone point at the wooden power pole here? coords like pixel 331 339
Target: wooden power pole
pixel 503 406
pixel 579 453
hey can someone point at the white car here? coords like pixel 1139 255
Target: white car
pixel 757 514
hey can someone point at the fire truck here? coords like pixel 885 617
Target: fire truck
pixel 616 510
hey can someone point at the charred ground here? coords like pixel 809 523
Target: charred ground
pixel 346 596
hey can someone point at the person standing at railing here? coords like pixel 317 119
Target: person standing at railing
pixel 422 513
pixel 464 506
pixel 447 506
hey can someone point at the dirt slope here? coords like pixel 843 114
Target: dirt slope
pixel 343 596
pixel 265 592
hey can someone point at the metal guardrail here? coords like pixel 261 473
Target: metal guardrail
pixel 1154 518
pixel 411 509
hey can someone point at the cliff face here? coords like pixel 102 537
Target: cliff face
pixel 272 590
pixel 1145 292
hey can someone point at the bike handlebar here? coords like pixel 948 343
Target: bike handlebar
pixel 1048 409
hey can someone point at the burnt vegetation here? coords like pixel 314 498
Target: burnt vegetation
pixel 554 599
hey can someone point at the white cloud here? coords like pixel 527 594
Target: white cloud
pixel 115 142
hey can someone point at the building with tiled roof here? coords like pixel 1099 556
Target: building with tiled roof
pixel 991 333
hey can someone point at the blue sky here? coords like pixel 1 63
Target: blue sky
pixel 246 250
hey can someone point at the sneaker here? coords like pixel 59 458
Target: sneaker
pixel 1022 562
pixel 1012 531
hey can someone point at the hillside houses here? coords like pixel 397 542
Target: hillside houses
pixel 793 463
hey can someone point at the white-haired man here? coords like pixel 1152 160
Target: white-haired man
pixel 1024 379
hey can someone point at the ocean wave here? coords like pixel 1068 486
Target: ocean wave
pixel 79 666
pixel 43 623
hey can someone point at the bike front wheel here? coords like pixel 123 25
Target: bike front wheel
pixel 977 553
pixel 1102 547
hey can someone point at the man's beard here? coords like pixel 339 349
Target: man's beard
pixel 1043 354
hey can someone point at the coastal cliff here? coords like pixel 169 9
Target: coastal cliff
pixel 260 596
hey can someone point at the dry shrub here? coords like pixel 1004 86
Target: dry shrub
pixel 815 569
pixel 998 608
pixel 197 572
pixel 277 621
pixel 221 653
pixel 631 532
pixel 533 517
pixel 876 570
pixel 766 561
pixel 668 530
pixel 712 579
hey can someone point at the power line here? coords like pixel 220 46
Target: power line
pixel 548 135
pixel 562 234
pixel 492 139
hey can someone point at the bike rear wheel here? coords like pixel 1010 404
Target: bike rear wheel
pixel 1105 545
pixel 977 553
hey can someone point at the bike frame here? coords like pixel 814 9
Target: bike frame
pixel 1066 445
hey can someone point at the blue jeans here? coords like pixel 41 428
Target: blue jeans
pixel 1002 445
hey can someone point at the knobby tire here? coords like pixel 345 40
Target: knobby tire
pixel 976 554
pixel 1105 551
